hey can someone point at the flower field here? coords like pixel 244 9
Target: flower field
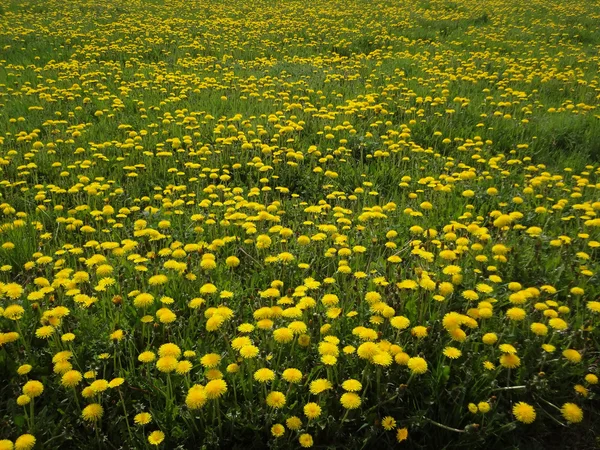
pixel 286 224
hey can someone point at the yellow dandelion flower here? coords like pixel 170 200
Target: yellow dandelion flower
pixel 92 412
pixel 524 412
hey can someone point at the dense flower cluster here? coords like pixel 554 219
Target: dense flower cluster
pixel 334 224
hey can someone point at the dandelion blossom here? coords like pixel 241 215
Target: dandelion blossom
pixel 264 375
pixel 156 437
pixel 142 418
pixel 249 351
pixel 6 444
pixel 305 440
pixel 352 385
pixel 92 412
pixel 591 378
pixel 276 399
pixel 483 407
pixel 210 360
pixel 572 413
pixel 402 434
pixel 71 378
pixel 183 367
pixel 293 423
pixel 44 332
pixel 146 357
pixel 388 423
pixel 572 355
pixel 350 400
pixel 24 369
pixel 400 322
pixel 169 349
pixel 196 397
pixel 292 375
pixel 524 412
pixel 277 430
pixel 320 385
pixel 167 364
pixel 452 352
pixel 382 359
pixel 215 389
pixel 419 332
pixel 283 335
pixel 312 410
pixel 33 388
pixel 417 365
pixel 25 442
pixel 510 361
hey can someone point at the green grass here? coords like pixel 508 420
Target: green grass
pixel 230 120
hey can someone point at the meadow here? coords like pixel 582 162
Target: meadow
pixel 287 224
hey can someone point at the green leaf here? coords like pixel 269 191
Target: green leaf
pixel 19 421
pixel 445 375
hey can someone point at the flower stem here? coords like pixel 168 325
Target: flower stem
pixel 126 416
